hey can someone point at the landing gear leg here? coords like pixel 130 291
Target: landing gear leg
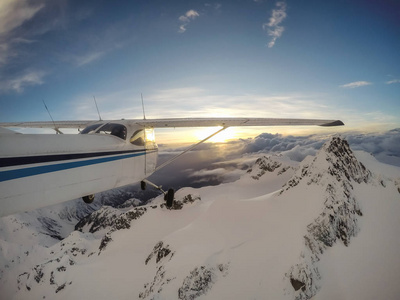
pixel 168 196
pixel 143 185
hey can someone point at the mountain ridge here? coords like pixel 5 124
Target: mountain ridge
pixel 281 239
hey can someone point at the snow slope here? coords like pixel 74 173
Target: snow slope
pixel 325 229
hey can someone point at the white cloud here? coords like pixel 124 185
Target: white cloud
pixel 189 16
pixel 19 83
pixel 88 58
pixel 13 13
pixel 273 27
pixel 393 81
pixel 355 84
pixel 215 6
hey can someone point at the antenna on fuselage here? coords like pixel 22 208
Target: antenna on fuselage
pixel 48 111
pixel 98 112
pixel 144 116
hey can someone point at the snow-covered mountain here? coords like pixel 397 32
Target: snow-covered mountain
pixel 326 228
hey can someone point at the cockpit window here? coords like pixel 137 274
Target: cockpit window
pixel 137 138
pixel 90 128
pixel 117 130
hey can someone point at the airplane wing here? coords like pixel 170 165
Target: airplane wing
pixel 182 122
pixel 232 122
pixel 48 124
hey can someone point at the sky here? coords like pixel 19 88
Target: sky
pixel 250 58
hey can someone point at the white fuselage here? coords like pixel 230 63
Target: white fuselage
pixel 37 170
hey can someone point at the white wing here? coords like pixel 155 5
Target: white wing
pixel 45 124
pixel 182 122
pixel 232 122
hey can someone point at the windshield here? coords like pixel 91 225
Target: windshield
pixel 137 138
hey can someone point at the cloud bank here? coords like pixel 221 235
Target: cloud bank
pixel 212 164
pixel 384 146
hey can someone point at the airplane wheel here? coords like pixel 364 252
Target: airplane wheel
pixel 170 197
pixel 143 185
pixel 88 199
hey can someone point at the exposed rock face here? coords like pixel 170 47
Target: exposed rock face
pixel 122 222
pixel 178 204
pixel 197 283
pixel 78 210
pixel 100 219
pixel 76 247
pixel 266 164
pixel 344 162
pixel 55 271
pixel 160 255
pixel 159 252
pixel 200 281
pixel 336 169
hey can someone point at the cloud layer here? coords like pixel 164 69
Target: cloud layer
pixel 212 164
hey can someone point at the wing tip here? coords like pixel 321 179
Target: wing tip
pixel 333 123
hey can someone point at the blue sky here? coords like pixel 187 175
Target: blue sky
pixel 312 59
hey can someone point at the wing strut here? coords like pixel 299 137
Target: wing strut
pixel 169 196
pixel 187 150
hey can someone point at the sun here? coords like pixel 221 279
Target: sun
pixel 224 136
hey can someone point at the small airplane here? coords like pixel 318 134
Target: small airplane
pixel 38 170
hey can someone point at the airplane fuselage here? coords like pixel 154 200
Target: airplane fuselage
pixel 37 170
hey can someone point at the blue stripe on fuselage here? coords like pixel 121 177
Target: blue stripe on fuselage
pixel 26 172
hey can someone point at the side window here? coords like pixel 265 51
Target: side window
pixel 137 138
pixel 90 128
pixel 117 130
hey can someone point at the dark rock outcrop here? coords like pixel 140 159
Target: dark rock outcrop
pixel 266 164
pixel 200 281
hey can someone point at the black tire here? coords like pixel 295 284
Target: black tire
pixel 143 185
pixel 88 199
pixel 170 197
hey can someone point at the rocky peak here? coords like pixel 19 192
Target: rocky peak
pixel 266 164
pixel 343 161
pixel 335 170
pixel 335 159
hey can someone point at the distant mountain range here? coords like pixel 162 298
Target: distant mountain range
pixel 325 228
